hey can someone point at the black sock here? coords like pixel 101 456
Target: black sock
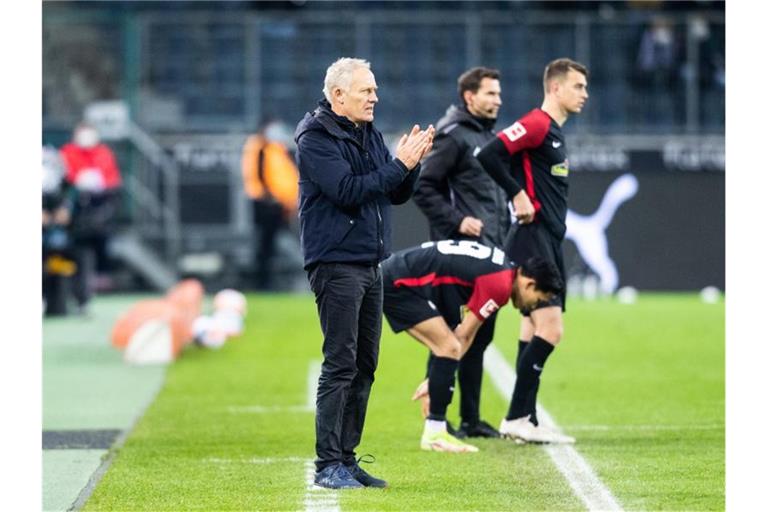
pixel 530 404
pixel 528 375
pixel 521 346
pixel 430 360
pixel 442 378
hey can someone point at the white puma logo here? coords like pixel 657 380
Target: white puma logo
pixel 556 144
pixel 588 232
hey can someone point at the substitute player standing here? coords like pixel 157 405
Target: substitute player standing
pixel 530 157
pixel 441 293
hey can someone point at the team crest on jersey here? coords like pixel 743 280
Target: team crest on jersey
pixel 515 131
pixel 488 308
pixel 560 169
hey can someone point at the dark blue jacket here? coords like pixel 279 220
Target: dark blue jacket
pixel 347 182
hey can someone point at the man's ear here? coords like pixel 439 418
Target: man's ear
pixel 338 94
pixel 466 95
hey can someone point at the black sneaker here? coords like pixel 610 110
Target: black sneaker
pixel 336 476
pixel 363 476
pixel 479 429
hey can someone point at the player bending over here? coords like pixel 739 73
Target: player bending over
pixel 426 290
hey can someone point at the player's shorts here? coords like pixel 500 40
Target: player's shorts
pixel 404 307
pixel 535 240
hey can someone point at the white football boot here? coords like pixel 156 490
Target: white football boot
pixel 521 429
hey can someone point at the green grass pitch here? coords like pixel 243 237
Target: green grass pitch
pixel 640 386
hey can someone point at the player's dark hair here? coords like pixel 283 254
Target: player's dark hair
pixel 470 79
pixel 545 273
pixel 560 67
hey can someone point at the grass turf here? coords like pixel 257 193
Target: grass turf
pixel 641 387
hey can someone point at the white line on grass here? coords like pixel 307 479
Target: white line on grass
pixel 312 377
pixel 580 476
pixel 262 409
pixel 646 427
pixel 253 460
pixel 316 499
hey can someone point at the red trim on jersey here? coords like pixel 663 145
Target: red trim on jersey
pixel 431 278
pixel 528 170
pixel 491 292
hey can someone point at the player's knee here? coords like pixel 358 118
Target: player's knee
pixel 450 349
pixel 551 333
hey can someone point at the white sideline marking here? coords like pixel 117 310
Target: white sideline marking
pixel 312 377
pixel 580 476
pixel 253 460
pixel 316 499
pixel 646 427
pixel 260 409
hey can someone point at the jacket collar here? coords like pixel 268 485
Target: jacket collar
pixel 340 126
pixel 461 115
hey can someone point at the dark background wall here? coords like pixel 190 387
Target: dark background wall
pixel 669 236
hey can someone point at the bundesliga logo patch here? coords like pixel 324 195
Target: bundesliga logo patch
pixel 488 308
pixel 560 169
pixel 514 132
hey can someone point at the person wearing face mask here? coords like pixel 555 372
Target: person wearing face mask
pixel 92 171
pixel 271 181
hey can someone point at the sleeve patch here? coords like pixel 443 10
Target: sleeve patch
pixel 515 131
pixel 488 308
pixel 491 292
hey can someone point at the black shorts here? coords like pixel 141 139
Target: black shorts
pixel 535 239
pixel 404 307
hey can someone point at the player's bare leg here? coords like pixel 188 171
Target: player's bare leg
pixel 440 339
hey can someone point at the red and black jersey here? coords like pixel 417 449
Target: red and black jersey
pixel 531 155
pixel 453 273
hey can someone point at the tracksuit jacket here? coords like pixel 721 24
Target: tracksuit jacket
pixel 347 183
pixel 453 184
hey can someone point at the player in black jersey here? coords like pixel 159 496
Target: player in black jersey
pixel 441 293
pixel 528 159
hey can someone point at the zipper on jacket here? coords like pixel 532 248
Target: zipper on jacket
pixel 380 250
pixel 378 232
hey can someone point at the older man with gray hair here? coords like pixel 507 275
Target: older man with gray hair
pixel 348 182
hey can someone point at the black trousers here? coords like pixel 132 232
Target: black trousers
pixel 269 219
pixel 349 303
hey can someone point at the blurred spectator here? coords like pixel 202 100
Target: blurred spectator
pixel 92 171
pixel 272 182
pixel 56 207
pixel 710 65
pixel 658 67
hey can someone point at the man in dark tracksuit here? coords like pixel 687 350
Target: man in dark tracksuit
pixel 462 202
pixel 347 182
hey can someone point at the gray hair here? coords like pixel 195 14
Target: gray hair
pixel 339 74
